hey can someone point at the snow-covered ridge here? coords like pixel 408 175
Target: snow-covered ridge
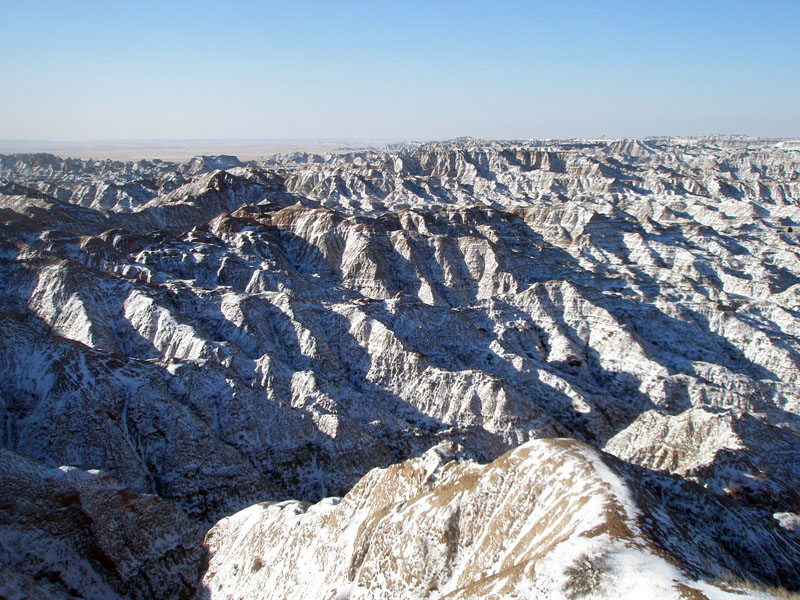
pixel 549 519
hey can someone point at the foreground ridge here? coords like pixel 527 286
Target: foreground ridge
pixel 550 519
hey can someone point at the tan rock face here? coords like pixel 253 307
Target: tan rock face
pixel 224 333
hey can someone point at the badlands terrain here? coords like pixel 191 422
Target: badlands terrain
pixel 464 369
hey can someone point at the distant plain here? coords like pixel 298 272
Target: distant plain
pixel 183 150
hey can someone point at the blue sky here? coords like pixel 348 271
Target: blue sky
pixel 77 70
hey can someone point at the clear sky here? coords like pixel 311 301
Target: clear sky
pixel 78 70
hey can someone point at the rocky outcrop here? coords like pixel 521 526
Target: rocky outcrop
pixel 68 533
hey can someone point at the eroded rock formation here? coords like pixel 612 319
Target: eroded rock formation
pixel 223 333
